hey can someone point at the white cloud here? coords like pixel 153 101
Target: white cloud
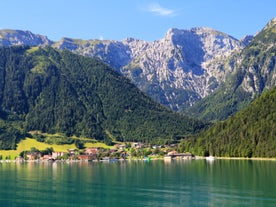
pixel 101 37
pixel 161 11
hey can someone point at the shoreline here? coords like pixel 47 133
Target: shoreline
pixel 135 159
pixel 246 158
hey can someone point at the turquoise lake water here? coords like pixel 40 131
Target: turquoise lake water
pixel 137 183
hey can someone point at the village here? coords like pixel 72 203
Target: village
pixel 125 151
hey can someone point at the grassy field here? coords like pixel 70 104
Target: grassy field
pixel 98 144
pixel 28 143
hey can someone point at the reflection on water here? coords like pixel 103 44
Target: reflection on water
pixel 138 183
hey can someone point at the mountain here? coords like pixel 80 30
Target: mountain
pixel 114 53
pixel 18 37
pixel 173 70
pixel 57 91
pixel 203 72
pixel 249 133
pixel 249 73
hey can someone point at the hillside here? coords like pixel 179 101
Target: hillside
pixel 250 72
pixel 57 91
pixel 172 70
pixel 249 133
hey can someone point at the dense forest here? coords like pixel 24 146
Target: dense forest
pixel 249 133
pixel 53 91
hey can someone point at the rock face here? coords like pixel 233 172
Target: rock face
pixel 175 70
pixel 115 53
pixel 247 74
pixel 254 67
pixel 257 63
pixel 247 39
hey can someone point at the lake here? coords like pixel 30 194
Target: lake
pixel 138 183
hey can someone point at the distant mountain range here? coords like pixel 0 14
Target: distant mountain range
pixel 173 70
pixel 182 68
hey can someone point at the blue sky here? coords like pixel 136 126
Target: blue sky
pixel 143 19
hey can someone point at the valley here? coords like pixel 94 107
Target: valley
pixel 199 87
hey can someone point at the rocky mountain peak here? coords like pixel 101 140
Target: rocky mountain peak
pixel 135 46
pixel 175 69
pixel 205 40
pixel 18 37
pixel 66 43
pixel 171 32
pixel 272 23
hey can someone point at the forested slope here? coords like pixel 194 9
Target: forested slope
pixel 249 133
pixel 53 91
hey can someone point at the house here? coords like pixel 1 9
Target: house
pixel 173 152
pixel 120 146
pixel 48 158
pixel 91 151
pixel 19 159
pixel 33 155
pixel 72 152
pixel 87 157
pixel 138 145
pixel 57 154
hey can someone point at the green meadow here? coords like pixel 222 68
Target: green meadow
pixel 28 143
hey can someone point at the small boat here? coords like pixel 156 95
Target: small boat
pixel 210 158
pixel 105 159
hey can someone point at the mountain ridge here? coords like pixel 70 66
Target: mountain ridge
pixel 250 72
pixel 180 69
pixel 9 37
pixel 171 70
